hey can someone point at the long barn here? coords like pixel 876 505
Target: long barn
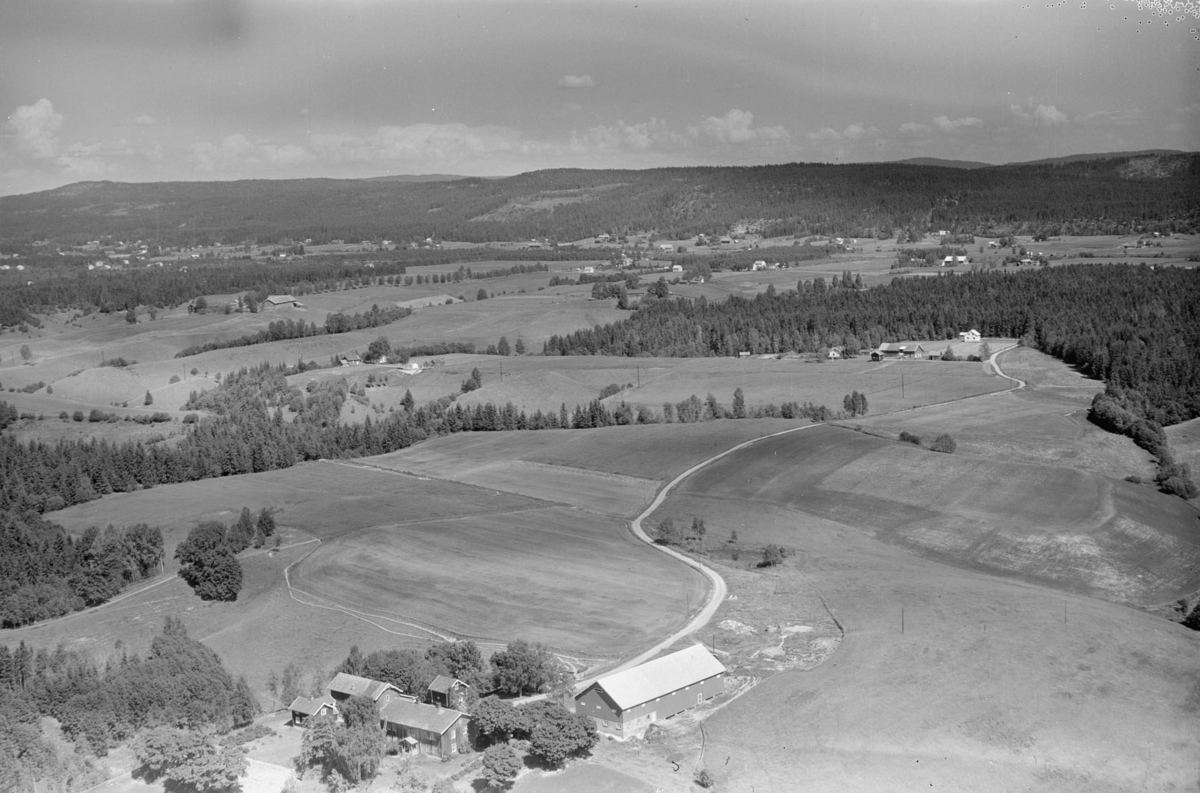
pixel 625 703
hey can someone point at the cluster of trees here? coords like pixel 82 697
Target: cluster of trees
pixel 208 555
pixel 667 532
pixel 855 404
pixel 554 733
pixel 925 257
pixel 1125 411
pixel 187 760
pixel 413 670
pixel 180 684
pixel 45 572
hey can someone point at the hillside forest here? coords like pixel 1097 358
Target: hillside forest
pixel 1124 194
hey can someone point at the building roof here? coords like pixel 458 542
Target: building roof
pixel 280 299
pixel 661 676
pixel 895 346
pixel 444 683
pixel 407 713
pixel 311 705
pixel 353 685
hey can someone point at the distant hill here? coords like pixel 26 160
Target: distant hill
pixel 940 163
pixel 419 177
pixel 1101 156
pixel 1093 196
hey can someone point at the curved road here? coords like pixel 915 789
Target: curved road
pixel 717 596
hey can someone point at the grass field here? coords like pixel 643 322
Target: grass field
pixel 1184 440
pixel 1053 525
pixel 1044 423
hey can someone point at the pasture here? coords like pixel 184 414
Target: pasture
pixel 403 560
pixel 1056 526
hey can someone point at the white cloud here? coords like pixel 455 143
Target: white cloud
pixel 1042 116
pixel 737 126
pixel 573 82
pixel 33 130
pixel 237 151
pixel 1112 117
pixel 825 133
pixel 913 128
pixel 945 124
pixel 422 142
pixel 145 121
pixel 858 131
pixel 642 136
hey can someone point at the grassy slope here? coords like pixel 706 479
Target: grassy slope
pixel 1057 526
pixel 992 685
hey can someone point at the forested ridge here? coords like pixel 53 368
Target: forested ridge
pixel 1133 326
pixel 1101 196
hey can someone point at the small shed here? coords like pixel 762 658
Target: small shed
pixel 305 708
pixel 449 692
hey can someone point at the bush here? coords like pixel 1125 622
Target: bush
pixel 908 437
pixel 77 415
pixel 943 443
pixel 174 379
pixel 773 555
pixel 705 779
pixel 1134 478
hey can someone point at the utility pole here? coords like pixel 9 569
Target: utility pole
pixel 902 386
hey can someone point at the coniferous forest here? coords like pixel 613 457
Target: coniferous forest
pixel 1135 327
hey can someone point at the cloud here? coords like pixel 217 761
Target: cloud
pixel 1112 117
pixel 737 126
pixel 945 124
pixel 33 130
pixel 1042 116
pixel 825 133
pixel 652 134
pixel 422 143
pixel 913 128
pixel 858 132
pixel 145 121
pixel 571 82
pixel 237 152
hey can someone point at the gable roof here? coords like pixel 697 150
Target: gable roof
pixel 407 713
pixel 444 683
pixel 310 706
pixel 661 676
pixel 280 299
pixel 353 685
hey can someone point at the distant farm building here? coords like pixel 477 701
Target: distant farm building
pixel 350 359
pixel 950 261
pixel 677 268
pixel 835 353
pixel 448 692
pixel 625 703
pixel 969 335
pixel 280 301
pixel 430 729
pixel 412 367
pixel 667 248
pixel 898 350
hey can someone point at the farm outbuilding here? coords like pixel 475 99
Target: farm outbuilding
pixel 436 730
pixel 343 686
pixel 305 708
pixel 280 301
pixel 898 350
pixel 969 335
pixel 448 692
pixel 625 703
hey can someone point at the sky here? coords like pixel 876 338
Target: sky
pixel 154 90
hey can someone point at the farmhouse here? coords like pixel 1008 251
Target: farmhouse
pixel 835 353
pixel 969 335
pixel 305 708
pixel 431 729
pixel 349 359
pixel 625 703
pixel 666 248
pixel 677 268
pixel 280 301
pixel 344 686
pixel 412 367
pixel 898 350
pixel 950 261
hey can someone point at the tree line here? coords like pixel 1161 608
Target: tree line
pixel 45 572
pixel 284 329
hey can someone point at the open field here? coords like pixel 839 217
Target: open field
pixel 380 576
pixel 947 679
pixel 1184 440
pixel 1056 526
